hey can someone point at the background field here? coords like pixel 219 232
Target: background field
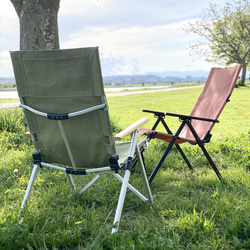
pixel 191 210
pixel 234 119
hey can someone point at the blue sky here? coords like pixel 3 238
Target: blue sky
pixel 134 36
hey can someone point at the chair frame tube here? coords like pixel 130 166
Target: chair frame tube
pixel 30 185
pixel 124 184
pixel 80 112
pixel 66 142
pixel 128 166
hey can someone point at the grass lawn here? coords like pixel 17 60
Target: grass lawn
pixel 234 119
pixel 191 210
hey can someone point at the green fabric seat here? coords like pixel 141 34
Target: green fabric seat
pixel 62 95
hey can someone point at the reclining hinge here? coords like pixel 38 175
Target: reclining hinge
pixel 207 137
pixel 159 114
pixel 152 135
pixel 113 162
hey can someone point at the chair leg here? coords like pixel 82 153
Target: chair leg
pixel 144 174
pixel 143 161
pixel 167 151
pixel 71 182
pixel 90 183
pixel 184 156
pixel 177 146
pixel 156 169
pixel 125 182
pixel 131 188
pixel 200 143
pixel 121 202
pixel 210 160
pixel 30 185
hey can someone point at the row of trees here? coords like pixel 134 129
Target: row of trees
pixel 225 32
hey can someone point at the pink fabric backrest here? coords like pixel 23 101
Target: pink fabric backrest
pixel 218 88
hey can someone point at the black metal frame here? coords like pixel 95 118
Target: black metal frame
pixel 185 119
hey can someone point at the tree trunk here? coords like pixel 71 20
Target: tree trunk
pixel 243 75
pixel 38 24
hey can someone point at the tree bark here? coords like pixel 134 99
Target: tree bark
pixel 38 24
pixel 243 75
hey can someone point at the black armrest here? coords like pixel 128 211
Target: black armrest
pixel 182 117
pixel 156 113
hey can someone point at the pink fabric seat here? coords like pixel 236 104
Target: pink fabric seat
pixel 196 127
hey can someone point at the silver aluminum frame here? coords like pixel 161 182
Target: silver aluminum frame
pixel 100 171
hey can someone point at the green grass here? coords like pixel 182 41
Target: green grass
pixel 150 86
pixel 191 210
pixel 234 119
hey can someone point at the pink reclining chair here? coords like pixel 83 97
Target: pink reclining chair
pixel 196 127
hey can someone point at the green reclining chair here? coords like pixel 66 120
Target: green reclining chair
pixel 196 127
pixel 62 95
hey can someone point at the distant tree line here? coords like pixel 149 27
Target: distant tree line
pixel 7 85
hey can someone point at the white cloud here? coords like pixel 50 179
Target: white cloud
pixel 122 13
pixel 118 66
pixel 5 64
pixel 133 36
pixel 9 26
pixel 155 48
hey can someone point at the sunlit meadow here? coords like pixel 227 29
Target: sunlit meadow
pixel 191 209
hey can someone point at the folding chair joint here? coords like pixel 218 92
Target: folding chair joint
pixel 76 171
pixel 207 137
pixel 37 158
pixel 114 165
pixel 159 114
pixel 152 135
pixel 129 165
pixel 156 113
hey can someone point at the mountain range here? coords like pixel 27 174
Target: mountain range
pixel 149 77
pixel 180 74
pixel 172 77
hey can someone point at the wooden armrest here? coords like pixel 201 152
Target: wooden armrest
pixel 127 131
pixel 27 134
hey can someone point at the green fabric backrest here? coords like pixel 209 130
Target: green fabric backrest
pixel 65 81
